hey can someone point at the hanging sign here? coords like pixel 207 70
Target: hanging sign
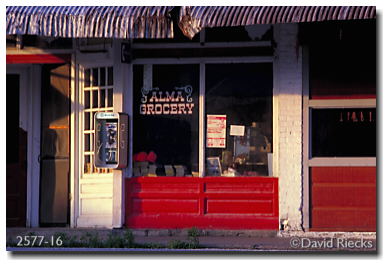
pixel 216 131
pixel 176 102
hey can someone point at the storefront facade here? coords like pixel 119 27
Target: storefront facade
pixel 225 128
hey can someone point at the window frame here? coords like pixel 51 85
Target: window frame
pixel 331 104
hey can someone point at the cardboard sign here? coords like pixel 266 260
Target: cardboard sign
pixel 216 131
pixel 237 130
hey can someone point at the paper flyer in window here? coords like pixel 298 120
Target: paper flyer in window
pixel 216 131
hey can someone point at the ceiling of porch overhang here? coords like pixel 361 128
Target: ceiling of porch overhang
pixel 194 18
pixel 128 22
pixel 123 22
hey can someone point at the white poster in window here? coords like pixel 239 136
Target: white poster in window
pixel 237 130
pixel 216 131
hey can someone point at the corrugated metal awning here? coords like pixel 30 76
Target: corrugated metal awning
pixel 91 21
pixel 194 19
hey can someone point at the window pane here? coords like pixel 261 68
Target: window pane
pixel 95 98
pixel 87 164
pixel 87 146
pixel 95 75
pixel 102 98
pixel 239 119
pixel 93 120
pixel 87 76
pixel 87 99
pixel 166 121
pixel 92 140
pixel 102 76
pixel 87 120
pixel 110 76
pixel 343 132
pixel 109 98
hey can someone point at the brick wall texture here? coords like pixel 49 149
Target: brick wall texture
pixel 288 86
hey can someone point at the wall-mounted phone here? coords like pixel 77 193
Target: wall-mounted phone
pixel 111 140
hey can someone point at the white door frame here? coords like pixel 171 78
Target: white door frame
pixel 80 61
pixel 30 121
pixel 74 142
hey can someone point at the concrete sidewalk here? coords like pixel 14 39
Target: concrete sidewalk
pixel 218 239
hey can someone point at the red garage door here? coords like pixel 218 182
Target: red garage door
pixel 343 198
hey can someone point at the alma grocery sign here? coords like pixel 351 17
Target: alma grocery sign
pixel 156 102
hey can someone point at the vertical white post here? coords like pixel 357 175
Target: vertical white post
pixel 305 139
pixel 275 120
pixel 118 179
pixel 74 158
pixel 202 108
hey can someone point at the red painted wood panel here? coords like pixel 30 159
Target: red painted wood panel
pixel 240 206
pixel 344 219
pixel 343 174
pixel 158 205
pixel 343 198
pixel 345 194
pixel 161 187
pixel 210 202
pixel 246 187
pixel 38 58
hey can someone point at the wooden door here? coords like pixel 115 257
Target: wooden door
pixel 95 196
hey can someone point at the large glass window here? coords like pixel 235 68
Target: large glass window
pixel 239 119
pixel 166 120
pixel 343 132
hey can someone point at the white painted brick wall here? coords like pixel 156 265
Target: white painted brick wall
pixel 288 85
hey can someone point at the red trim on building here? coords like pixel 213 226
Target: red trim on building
pixel 209 203
pixel 343 198
pixel 38 58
